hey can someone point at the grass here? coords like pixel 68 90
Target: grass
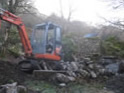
pixel 45 87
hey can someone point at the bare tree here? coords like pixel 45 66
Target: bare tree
pixel 61 9
pixel 71 11
pixel 117 4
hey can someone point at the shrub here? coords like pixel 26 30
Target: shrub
pixel 113 46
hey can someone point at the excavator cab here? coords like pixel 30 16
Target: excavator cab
pixel 46 41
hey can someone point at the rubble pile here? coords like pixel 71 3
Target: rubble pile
pixel 87 69
pixel 106 66
pixel 13 88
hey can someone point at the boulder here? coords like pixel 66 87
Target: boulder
pixel 22 89
pixel 89 62
pixel 93 74
pixel 112 68
pixel 64 78
pixel 62 84
pixel 106 60
pixel 71 73
pixel 121 67
pixel 86 59
pixel 10 88
pixel 74 66
pixel 91 66
pixel 13 88
pixel 84 73
pixel 101 71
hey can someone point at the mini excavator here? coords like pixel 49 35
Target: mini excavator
pixel 43 47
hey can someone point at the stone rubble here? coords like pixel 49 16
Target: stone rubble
pixel 13 88
pixel 89 69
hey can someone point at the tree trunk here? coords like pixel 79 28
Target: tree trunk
pixel 5 39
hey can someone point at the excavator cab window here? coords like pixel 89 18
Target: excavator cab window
pixel 37 40
pixel 46 38
pixel 50 41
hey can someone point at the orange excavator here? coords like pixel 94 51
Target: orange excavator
pixel 43 46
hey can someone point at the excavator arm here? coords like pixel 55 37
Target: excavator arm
pixel 13 19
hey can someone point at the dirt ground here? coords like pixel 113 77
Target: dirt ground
pixel 116 83
pixel 9 73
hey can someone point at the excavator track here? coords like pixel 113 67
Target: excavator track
pixel 28 65
pixel 40 68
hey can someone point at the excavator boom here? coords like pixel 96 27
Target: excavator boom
pixel 13 19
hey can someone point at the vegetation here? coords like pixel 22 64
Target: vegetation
pixel 46 87
pixel 69 48
pixel 113 46
pixel 13 43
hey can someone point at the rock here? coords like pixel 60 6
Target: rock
pixel 112 68
pixel 13 88
pixel 121 67
pixel 64 66
pixel 74 66
pixel 69 67
pixel 93 74
pixel 62 84
pixel 87 59
pixel 64 78
pixel 91 66
pixel 106 60
pixel 71 73
pixel 22 89
pixel 89 62
pixel 81 66
pixel 10 88
pixel 84 73
pixel 102 71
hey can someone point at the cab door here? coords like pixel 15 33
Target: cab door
pixel 38 39
pixel 58 43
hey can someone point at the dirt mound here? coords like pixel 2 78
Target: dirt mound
pixel 116 83
pixel 10 73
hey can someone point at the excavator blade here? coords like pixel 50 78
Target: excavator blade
pixel 43 70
